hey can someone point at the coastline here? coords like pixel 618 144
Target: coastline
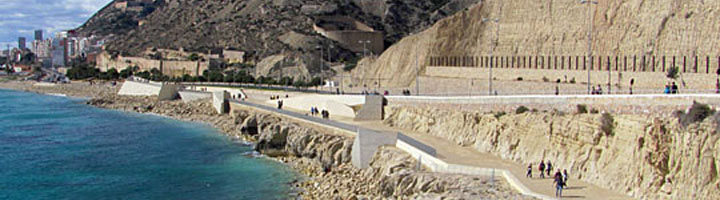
pixel 321 158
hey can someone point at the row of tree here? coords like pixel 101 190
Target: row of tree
pixel 84 71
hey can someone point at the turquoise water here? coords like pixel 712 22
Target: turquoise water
pixel 58 148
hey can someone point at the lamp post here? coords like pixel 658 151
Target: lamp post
pixel 494 44
pixel 321 63
pixel 591 22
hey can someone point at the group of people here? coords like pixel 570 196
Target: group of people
pixel 559 178
pixel 596 91
pixel 671 88
pixel 276 97
pixel 324 113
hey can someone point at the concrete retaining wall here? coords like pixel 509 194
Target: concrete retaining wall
pixel 220 101
pixel 188 95
pixel 366 144
pixel 132 88
pixel 372 109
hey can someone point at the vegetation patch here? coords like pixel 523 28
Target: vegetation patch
pixel 521 110
pixel 697 113
pixel 607 124
pixel 581 109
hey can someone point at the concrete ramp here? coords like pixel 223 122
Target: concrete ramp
pixel 337 105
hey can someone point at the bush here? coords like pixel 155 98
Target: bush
pixel 581 109
pixel 697 113
pixel 607 124
pixel 594 111
pixel 545 79
pixel 519 78
pixel 499 114
pixel 572 80
pixel 521 110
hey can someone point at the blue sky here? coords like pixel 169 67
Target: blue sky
pixel 19 18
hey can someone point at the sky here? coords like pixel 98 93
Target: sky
pixel 20 18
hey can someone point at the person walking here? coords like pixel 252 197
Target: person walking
pixel 548 167
pixel 559 184
pixel 529 171
pixel 541 167
pixel 280 104
pixel 565 176
pixel 599 90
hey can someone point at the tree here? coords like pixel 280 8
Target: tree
pixel 194 57
pixel 127 72
pixel 316 81
pixel 673 72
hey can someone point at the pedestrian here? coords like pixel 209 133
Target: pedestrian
pixel 674 88
pixel 541 167
pixel 593 91
pixel 717 86
pixel 559 184
pixel 667 89
pixel 599 90
pixel 529 171
pixel 557 91
pixel 312 111
pixel 565 176
pixel 280 104
pixel 548 167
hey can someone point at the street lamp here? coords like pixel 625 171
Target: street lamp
pixel 365 43
pixel 495 43
pixel 590 17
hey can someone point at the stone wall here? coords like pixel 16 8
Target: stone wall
pixel 170 68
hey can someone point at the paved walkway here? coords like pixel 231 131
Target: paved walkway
pixel 455 154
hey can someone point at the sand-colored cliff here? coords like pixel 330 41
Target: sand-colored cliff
pixel 547 28
pixel 646 157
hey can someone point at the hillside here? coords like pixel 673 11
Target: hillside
pixel 525 27
pixel 257 26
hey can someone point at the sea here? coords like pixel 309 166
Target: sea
pixel 55 147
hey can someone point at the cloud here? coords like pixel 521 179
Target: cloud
pixel 23 16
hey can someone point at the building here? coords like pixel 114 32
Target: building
pixel 41 48
pixel 38 35
pixel 58 52
pixel 351 34
pixel 21 43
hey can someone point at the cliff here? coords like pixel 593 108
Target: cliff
pixel 546 28
pixel 647 157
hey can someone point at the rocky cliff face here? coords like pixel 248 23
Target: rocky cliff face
pixel 525 27
pixel 326 159
pixel 646 157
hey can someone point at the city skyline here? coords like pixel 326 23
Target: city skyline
pixel 20 18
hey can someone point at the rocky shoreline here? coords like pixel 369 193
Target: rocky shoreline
pixel 323 158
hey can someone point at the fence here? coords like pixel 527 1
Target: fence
pixel 685 64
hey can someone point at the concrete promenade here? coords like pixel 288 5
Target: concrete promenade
pixel 470 161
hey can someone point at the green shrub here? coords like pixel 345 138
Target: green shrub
pixel 572 80
pixel 607 124
pixel 499 114
pixel 521 110
pixel 581 109
pixel 594 111
pixel 697 113
pixel 519 78
pixel 673 72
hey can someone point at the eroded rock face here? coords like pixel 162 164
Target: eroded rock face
pixel 647 157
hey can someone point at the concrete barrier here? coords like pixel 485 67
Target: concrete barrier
pixel 133 88
pixel 220 101
pixel 189 95
pixel 366 145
